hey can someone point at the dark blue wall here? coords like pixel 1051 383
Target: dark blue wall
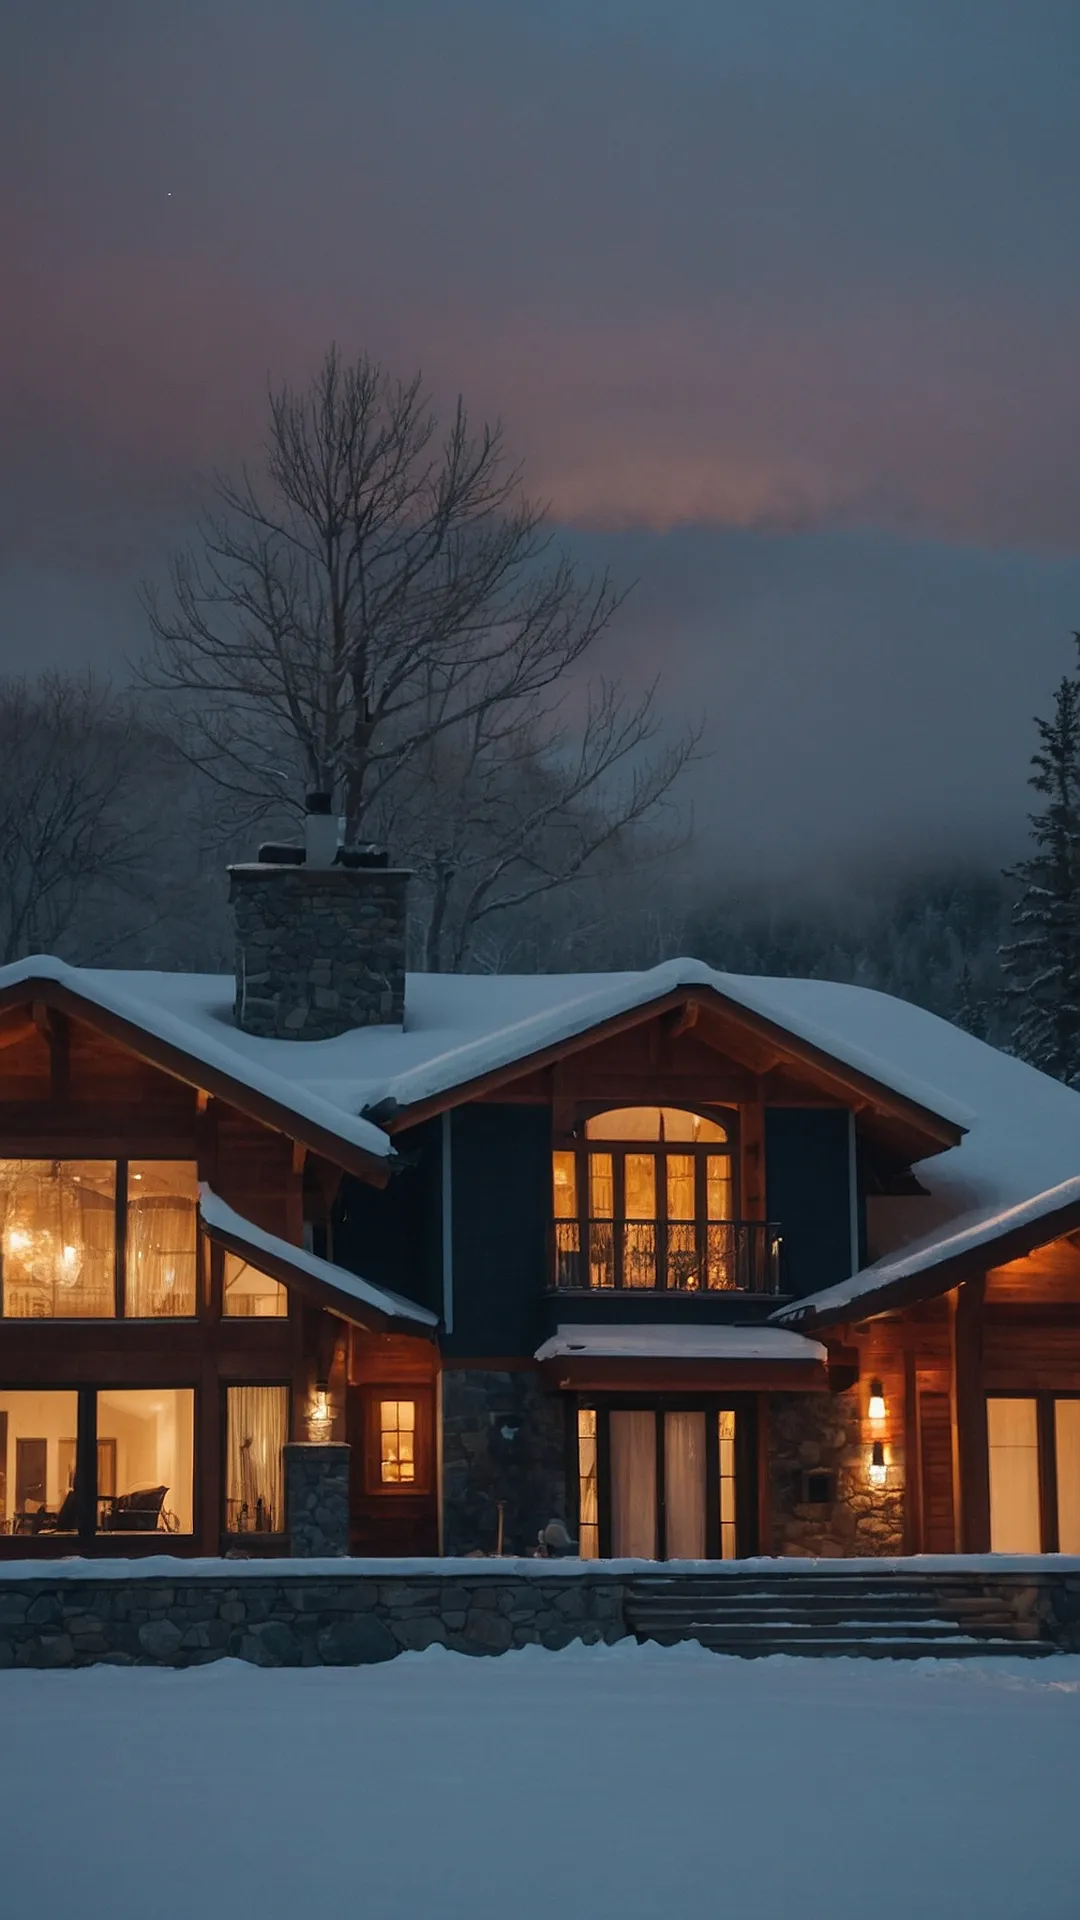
pixel 392 1235
pixel 501 1161
pixel 807 1180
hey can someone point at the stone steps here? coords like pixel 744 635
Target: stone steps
pixel 860 1613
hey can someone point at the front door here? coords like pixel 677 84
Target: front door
pixel 666 1482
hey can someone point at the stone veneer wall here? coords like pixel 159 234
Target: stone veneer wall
pixel 318 949
pixel 295 1619
pixel 317 1499
pixel 504 1438
pixel 823 1431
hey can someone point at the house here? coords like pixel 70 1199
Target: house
pixel 700 1265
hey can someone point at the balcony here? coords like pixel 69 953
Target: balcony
pixel 688 1258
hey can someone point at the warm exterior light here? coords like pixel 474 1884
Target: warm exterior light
pixel 320 1420
pixel 876 1409
pixel 878 1469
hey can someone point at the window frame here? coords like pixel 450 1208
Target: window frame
pixel 224 1532
pixel 422 1395
pixel 86 1530
pixel 742 1405
pixel 576 1142
pixel 120 1164
pixel 1045 1453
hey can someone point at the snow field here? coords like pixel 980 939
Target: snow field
pixel 635 1782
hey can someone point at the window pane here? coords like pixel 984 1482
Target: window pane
pixel 683 1259
pixel 564 1178
pixel 251 1295
pixel 726 1442
pixel 684 1486
pixel 641 1186
pixel 58 1239
pixel 257 1423
pixel 1067 1436
pixel 397 1453
pixel 652 1123
pixel 161 1234
pixel 718 1186
pixel 588 1500
pixel 680 1186
pixel 601 1186
pixel 1014 1476
pixel 633 1485
pixel 37 1462
pixel 601 1253
pixel 153 1433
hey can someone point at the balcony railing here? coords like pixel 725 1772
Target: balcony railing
pixel 685 1257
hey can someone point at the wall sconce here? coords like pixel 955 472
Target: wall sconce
pixel 876 1409
pixel 879 1473
pixel 320 1420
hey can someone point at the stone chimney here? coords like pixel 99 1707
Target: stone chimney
pixel 320 935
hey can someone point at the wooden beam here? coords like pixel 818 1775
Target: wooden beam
pixel 913 1518
pixel 55 1030
pixel 10 1036
pixel 684 1019
pixel 972 1446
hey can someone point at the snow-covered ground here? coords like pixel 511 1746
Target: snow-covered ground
pixel 633 1782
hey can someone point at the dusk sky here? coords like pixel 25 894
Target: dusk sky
pixel 780 306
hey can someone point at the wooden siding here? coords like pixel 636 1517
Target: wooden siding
pixel 501 1160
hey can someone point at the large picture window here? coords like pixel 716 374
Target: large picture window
pixel 1033 1443
pixel 646 1201
pixel 37 1462
pixel 146 1440
pixel 87 1239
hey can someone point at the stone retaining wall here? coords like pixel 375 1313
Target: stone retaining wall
pixel 330 1618
pixel 301 1620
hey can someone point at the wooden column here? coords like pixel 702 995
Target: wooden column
pixel 752 1128
pixel 969 1401
pixel 913 1507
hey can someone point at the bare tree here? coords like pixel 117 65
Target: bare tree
pixel 383 609
pixel 73 835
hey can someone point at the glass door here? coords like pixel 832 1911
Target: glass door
pixel 1013 1434
pixel 662 1482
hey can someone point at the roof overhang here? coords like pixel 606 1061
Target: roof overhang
pixel 698 1359
pixel 172 1058
pixel 318 1281
pixel 917 1129
pixel 962 1258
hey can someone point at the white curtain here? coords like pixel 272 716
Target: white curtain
pixel 633 1486
pixel 684 1485
pixel 1012 1430
pixel 160 1257
pixel 1067 1436
pixel 258 1427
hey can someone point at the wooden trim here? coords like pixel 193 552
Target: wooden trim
pixel 764 1489
pixel 198 1074
pixel 1047 1458
pixel 934 1127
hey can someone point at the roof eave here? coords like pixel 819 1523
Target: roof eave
pixel 360 1313
pixel 375 1168
pixel 928 1282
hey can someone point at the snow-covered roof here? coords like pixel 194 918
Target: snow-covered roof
pixel 222 1219
pixel 459 1027
pixel 639 1342
pixel 1023 1129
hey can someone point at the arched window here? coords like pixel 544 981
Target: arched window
pixel 647 1202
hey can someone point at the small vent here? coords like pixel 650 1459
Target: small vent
pixel 818 1488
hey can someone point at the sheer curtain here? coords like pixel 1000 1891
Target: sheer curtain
pixel 684 1485
pixel 1014 1476
pixel 1067 1435
pixel 161 1236
pixel 633 1486
pixel 258 1427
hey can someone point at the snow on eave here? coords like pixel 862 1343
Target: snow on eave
pixel 201 1050
pixel 517 1041
pixel 1042 1214
pixel 646 1341
pixel 217 1216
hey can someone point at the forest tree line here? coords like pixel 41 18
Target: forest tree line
pixel 380 611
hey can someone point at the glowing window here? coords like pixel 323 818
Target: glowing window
pixel 58 1239
pixel 397 1442
pixel 257 1427
pixel 588 1498
pixel 161 1239
pixel 251 1295
pixel 152 1452
pixel 652 1123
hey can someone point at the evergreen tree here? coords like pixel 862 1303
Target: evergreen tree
pixel 1042 965
pixel 970 1010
